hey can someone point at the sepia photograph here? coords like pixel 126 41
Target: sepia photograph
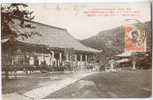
pixel 76 50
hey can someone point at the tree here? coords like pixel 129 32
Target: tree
pixel 16 11
pixel 10 12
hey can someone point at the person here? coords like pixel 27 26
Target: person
pixel 135 36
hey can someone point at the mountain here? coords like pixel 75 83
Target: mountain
pixel 111 41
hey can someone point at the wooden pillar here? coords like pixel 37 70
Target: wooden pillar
pixel 41 58
pixel 44 58
pixel 86 60
pixel 76 63
pixel 52 57
pixel 67 57
pixel 60 57
pixel 80 57
pixel 75 57
pixel 81 61
pixel 12 60
pixel 31 62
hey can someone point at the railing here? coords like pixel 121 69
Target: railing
pixel 11 70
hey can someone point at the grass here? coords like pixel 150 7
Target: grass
pixel 127 84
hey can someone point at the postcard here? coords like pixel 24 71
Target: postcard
pixel 76 50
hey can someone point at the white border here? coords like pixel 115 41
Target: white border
pixel 74 1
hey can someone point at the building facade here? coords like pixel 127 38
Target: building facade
pixel 53 47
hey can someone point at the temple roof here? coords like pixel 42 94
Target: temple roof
pixel 50 36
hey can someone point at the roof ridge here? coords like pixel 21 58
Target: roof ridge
pixel 43 24
pixel 49 25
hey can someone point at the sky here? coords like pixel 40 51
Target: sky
pixel 80 19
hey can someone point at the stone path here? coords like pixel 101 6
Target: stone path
pixel 42 92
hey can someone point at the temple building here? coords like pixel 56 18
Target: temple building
pixel 52 46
